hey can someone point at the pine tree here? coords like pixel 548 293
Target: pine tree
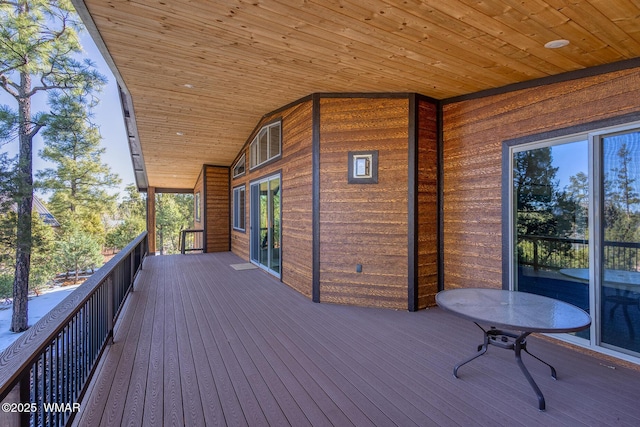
pixel 38 50
pixel 79 180
pixel 174 212
pixel 131 215
pixel 78 251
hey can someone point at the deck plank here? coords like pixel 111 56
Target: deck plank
pixel 269 377
pixel 112 414
pixel 192 401
pixel 153 412
pixel 232 413
pixel 217 346
pixel 210 400
pixel 135 396
pixel 172 391
pixel 103 403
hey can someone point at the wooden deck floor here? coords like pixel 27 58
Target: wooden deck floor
pixel 200 343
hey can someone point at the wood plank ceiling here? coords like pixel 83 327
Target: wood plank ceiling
pixel 201 74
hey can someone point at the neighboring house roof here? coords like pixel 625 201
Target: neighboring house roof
pixel 41 209
pixel 44 213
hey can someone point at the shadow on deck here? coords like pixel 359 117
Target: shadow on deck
pixel 200 343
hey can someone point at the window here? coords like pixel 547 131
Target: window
pixel 266 145
pixel 197 206
pixel 238 208
pixel 574 215
pixel 239 168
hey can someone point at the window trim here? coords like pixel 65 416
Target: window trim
pixel 255 148
pixel 243 160
pixel 239 212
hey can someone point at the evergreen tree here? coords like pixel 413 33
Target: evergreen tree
pixel 174 212
pixel 38 46
pixel 78 251
pixel 79 180
pixel 131 215
pixel 621 214
pixel 536 192
pixel 624 195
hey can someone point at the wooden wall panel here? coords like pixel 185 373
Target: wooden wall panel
pixel 296 188
pixel 217 208
pixel 427 181
pixel 364 223
pixel 297 249
pixel 473 134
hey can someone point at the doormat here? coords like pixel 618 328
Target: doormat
pixel 244 266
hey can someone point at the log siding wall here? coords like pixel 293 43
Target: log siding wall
pixel 427 183
pixel 473 133
pixel 364 223
pixel 216 206
pixel 296 186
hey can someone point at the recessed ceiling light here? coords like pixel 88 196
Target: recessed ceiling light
pixel 555 44
pixel 188 86
pixel 179 133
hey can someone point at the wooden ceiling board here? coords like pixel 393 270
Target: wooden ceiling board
pixel 244 59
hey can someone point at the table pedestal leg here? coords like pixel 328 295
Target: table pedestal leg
pixel 510 341
pixel 519 344
pixel 482 349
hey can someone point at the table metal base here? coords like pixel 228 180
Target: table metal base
pixel 510 341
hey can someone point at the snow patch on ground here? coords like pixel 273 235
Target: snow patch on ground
pixel 38 307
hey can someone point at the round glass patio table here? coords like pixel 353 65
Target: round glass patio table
pixel 512 317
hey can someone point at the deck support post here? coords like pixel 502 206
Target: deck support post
pixel 151 219
pixel 8 418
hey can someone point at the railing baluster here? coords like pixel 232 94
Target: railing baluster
pixel 54 365
pixel 193 240
pixel 110 291
pixel 546 252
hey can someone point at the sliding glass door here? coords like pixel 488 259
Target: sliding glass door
pixel 575 219
pixel 265 224
pixel 551 207
pixel 619 275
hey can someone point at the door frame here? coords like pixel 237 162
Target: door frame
pixel 254 225
pixel 592 134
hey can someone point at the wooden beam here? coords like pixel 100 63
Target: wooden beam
pixel 151 219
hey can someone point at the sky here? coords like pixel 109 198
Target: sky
pixel 107 115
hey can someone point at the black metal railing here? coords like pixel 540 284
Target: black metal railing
pixel 553 253
pixel 191 241
pixel 44 374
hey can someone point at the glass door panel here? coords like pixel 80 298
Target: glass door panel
pixel 550 193
pixel 265 224
pixel 619 289
pixel 274 229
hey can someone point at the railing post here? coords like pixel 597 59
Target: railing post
pixel 7 418
pixel 535 254
pixel 110 294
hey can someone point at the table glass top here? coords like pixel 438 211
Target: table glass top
pixel 519 311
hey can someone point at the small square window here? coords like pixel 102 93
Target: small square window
pixel 363 167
